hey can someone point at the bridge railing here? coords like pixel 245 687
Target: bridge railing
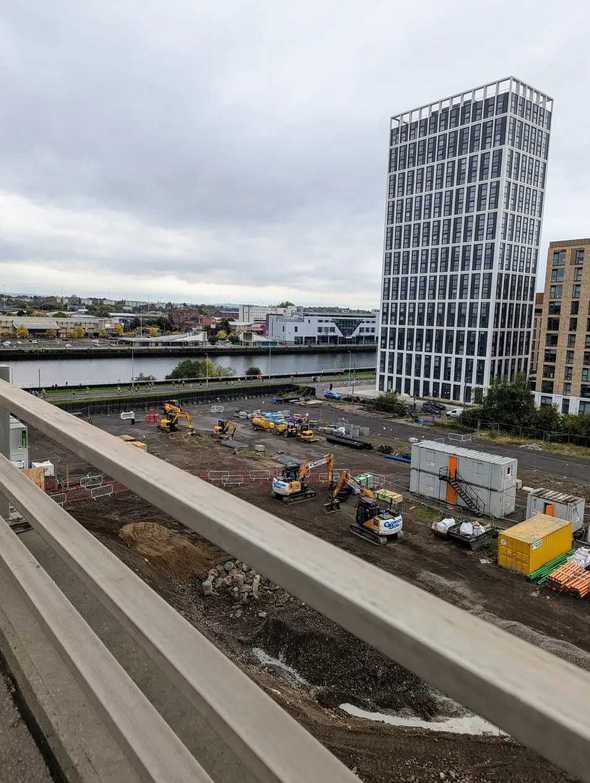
pixel 534 696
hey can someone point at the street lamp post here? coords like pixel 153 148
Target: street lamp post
pixel 350 383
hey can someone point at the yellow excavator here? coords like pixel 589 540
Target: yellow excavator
pixel 305 433
pixel 174 413
pixel 291 485
pixel 291 429
pixel 224 429
pixel 285 428
pixel 378 524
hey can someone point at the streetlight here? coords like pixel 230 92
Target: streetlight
pixel 350 383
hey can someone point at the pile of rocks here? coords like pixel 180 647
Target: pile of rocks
pixel 234 579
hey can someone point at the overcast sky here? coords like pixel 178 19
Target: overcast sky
pixel 235 151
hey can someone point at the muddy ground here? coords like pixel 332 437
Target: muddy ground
pixel 304 661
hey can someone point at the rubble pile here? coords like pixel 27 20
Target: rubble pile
pixel 235 580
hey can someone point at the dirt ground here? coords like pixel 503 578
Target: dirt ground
pixel 308 664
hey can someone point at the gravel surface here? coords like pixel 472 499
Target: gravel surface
pixel 20 758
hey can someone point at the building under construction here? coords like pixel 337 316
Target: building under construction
pixel 483 483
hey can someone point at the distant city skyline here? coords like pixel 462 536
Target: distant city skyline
pixel 143 158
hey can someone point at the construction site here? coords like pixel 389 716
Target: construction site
pixel 436 512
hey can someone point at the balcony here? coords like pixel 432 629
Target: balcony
pixel 535 697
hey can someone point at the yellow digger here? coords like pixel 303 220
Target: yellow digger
pixel 305 433
pixel 224 429
pixel 174 413
pixel 291 485
pixel 376 523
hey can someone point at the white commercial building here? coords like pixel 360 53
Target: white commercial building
pixel 320 327
pixel 465 193
pixel 258 313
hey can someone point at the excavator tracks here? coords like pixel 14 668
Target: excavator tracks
pixel 368 535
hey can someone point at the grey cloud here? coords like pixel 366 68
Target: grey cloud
pixel 252 133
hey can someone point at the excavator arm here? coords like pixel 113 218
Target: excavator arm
pixel 346 480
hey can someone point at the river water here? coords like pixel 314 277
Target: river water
pixel 91 371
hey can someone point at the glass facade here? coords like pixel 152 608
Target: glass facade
pixel 465 188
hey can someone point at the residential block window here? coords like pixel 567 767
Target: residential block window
pixel 571 341
pixel 578 275
pixel 567 375
pixel 580 256
pixel 555 291
pixel 558 258
pixel 557 275
pixel 573 324
pixel 567 389
pixel 576 291
pixel 575 307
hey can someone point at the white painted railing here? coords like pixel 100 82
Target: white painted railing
pixel 534 696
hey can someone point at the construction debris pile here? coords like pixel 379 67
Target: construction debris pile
pixel 237 581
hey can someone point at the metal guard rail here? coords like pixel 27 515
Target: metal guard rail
pixel 537 698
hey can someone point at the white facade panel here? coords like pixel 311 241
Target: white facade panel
pixel 465 195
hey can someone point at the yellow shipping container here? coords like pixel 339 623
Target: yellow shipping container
pixel 530 544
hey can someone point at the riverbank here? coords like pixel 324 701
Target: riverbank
pixel 109 398
pixel 35 353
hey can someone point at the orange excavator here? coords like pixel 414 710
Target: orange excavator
pixel 291 486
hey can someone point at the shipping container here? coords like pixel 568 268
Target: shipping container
pixel 530 544
pixel 556 504
pixel 489 477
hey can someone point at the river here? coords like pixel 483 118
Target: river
pixel 95 371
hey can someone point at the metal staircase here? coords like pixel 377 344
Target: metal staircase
pixel 469 496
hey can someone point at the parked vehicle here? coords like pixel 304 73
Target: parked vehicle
pixel 433 408
pixel 455 413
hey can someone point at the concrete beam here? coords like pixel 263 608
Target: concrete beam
pixel 271 744
pixel 5 375
pixel 154 749
pixel 534 696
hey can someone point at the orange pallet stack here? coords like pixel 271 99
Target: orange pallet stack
pixel 571 578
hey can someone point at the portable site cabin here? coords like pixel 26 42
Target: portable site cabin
pixel 556 504
pixel 19 443
pixel 530 544
pixel 483 483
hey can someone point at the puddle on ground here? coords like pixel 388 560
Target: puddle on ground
pixel 268 660
pixel 465 724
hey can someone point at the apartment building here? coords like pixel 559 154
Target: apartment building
pixel 258 313
pixel 563 366
pixel 324 327
pixel 537 323
pixel 464 206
